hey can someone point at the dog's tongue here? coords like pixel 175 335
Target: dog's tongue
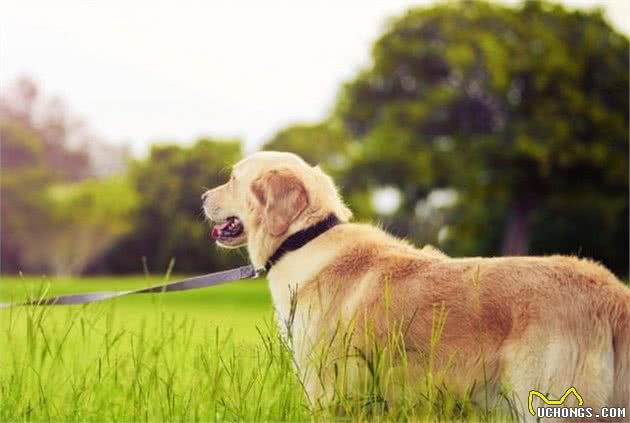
pixel 217 229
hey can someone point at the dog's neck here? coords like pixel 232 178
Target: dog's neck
pixel 300 266
pixel 301 238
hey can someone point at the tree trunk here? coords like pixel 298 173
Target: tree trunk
pixel 516 237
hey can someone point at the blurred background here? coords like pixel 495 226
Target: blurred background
pixel 482 128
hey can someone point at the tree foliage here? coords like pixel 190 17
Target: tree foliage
pixel 43 145
pixel 84 220
pixel 524 110
pixel 23 203
pixel 169 223
pixel 322 143
pixel 34 153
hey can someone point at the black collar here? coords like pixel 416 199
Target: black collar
pixel 301 238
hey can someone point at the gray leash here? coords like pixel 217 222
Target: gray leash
pixel 211 279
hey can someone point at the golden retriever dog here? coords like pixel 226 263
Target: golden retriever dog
pixel 490 327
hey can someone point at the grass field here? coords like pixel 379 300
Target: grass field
pixel 204 355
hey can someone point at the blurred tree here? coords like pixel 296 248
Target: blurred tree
pixel 168 223
pixel 30 161
pixel 61 135
pixel 41 144
pixel 518 108
pixel 83 221
pixel 322 143
pixel 23 202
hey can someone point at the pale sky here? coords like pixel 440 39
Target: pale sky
pixel 145 71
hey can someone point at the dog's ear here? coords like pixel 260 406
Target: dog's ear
pixel 282 197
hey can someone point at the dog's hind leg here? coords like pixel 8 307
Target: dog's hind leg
pixel 551 363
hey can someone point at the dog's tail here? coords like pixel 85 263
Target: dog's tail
pixel 621 348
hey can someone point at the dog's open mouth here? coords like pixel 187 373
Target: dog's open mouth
pixel 229 231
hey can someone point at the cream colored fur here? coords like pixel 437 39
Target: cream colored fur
pixel 512 324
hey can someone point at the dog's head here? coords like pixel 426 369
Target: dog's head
pixel 269 196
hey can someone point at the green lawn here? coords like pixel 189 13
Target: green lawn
pixel 203 355
pixel 180 356
pixel 239 306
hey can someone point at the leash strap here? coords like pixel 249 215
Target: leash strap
pixel 211 279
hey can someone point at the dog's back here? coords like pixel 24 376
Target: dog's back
pixel 521 323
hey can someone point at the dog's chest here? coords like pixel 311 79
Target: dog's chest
pixel 298 319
